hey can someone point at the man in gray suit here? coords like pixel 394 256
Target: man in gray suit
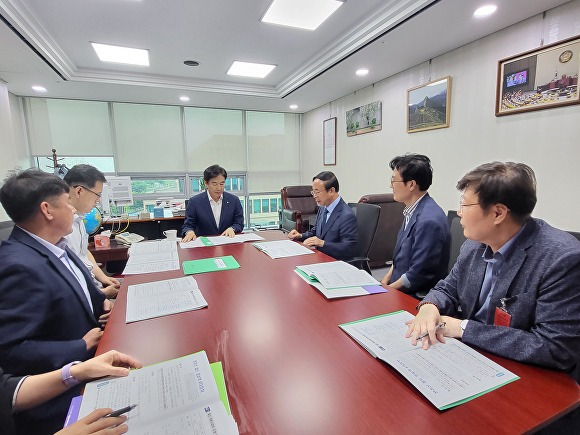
pixel 516 278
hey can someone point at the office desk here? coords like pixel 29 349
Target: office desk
pixel 149 228
pixel 290 369
pixel 114 252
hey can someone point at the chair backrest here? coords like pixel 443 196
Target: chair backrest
pixel 390 221
pixel 575 234
pixel 457 237
pixel 298 198
pixel 5 229
pixel 367 218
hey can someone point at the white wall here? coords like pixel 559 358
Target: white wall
pixel 547 140
pixel 13 148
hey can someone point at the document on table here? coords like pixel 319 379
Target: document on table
pixel 446 374
pixel 162 298
pixel 173 397
pixel 215 264
pixel 283 248
pixel 338 274
pixel 156 256
pixel 220 240
pixel 341 292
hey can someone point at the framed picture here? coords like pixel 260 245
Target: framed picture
pixel 539 79
pixel 329 142
pixel 429 105
pixel 364 119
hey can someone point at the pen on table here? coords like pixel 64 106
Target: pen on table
pixel 118 412
pixel 425 334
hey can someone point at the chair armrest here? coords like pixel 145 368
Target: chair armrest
pixel 291 220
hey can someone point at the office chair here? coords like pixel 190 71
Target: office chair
pixel 299 208
pixel 367 219
pixel 457 237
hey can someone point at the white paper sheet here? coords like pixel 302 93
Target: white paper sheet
pixel 283 248
pixel 338 274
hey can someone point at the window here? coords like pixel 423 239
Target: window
pixel 257 208
pixel 103 164
pixel 264 211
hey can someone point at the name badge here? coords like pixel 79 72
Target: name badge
pixel 502 317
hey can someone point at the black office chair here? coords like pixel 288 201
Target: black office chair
pixel 367 218
pixel 457 237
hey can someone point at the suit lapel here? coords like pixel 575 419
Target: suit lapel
pixel 225 207
pixel 331 219
pixel 475 274
pixel 404 232
pixel 209 214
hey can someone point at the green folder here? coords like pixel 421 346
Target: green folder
pixel 218 374
pixel 206 241
pixel 210 265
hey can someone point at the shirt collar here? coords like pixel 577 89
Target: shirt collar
pixel 333 205
pixel 211 199
pixel 57 249
pixel 505 250
pixel 408 211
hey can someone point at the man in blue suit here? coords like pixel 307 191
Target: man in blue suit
pixel 421 253
pixel 335 232
pixel 215 211
pixel 50 309
pixel 516 278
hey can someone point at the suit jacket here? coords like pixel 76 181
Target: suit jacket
pixel 8 385
pixel 199 217
pixel 44 314
pixel 422 249
pixel 539 282
pixel 339 232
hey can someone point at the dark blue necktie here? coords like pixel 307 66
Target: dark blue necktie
pixel 323 222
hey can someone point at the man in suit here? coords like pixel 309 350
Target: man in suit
pixel 213 212
pixel 49 306
pixel 421 253
pixel 516 278
pixel 335 232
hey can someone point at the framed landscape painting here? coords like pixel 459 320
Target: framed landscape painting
pixel 364 119
pixel 539 79
pixel 428 105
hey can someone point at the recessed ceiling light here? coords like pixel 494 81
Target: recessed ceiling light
pixel 39 88
pixel 304 14
pixel 247 69
pixel 184 99
pixel 191 62
pixel 293 106
pixel 362 72
pixel 485 11
pixel 117 54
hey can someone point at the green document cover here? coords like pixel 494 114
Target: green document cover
pixel 218 374
pixel 206 241
pixel 210 265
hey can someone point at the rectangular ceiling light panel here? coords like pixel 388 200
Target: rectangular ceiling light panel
pixel 117 54
pixel 247 69
pixel 304 14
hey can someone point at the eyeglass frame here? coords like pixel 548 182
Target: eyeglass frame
pixel 314 193
pixel 461 204
pixel 100 195
pixel 396 181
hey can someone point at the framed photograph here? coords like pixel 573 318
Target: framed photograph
pixel 539 79
pixel 364 119
pixel 429 105
pixel 329 142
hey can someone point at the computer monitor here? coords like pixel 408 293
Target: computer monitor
pixel 117 191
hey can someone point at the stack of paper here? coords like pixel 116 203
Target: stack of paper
pixel 155 256
pixel 283 248
pixel 337 279
pixel 181 396
pixel 446 374
pixel 161 298
pixel 220 240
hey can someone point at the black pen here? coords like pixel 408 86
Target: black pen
pixel 425 334
pixel 118 412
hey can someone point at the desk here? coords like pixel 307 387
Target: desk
pixel 290 369
pixel 149 228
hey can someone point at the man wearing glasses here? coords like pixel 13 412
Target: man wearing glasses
pixel 335 231
pixel 516 278
pixel 85 189
pixel 421 254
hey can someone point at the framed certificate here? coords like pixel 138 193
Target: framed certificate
pixel 329 142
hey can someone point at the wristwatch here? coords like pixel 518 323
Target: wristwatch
pixel 463 325
pixel 68 379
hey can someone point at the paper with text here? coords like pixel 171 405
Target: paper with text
pixel 283 248
pixel 155 256
pixel 337 274
pixel 220 240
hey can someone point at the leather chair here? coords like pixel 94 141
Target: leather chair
pixel 5 230
pixel 299 208
pixel 367 218
pixel 390 221
pixel 457 237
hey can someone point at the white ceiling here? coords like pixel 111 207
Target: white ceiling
pixel 313 67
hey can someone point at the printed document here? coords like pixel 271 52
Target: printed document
pixel 154 256
pixel 283 248
pixel 340 292
pixel 447 374
pixel 337 274
pixel 174 397
pixel 161 298
pixel 220 240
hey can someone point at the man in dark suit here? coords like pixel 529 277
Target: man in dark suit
pixel 421 253
pixel 49 306
pixel 516 278
pixel 215 211
pixel 335 231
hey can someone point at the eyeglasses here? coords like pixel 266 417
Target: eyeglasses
pixel 461 204
pixel 94 193
pixel 315 192
pixel 396 181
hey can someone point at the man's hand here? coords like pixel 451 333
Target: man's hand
pixel 452 327
pixel 387 277
pixel 314 242
pixel 111 291
pixel 93 337
pixel 94 423
pixel 425 322
pixel 294 235
pixel 107 307
pixel 111 363
pixel 190 235
pixel 229 232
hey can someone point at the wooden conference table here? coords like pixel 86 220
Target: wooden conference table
pixel 290 369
